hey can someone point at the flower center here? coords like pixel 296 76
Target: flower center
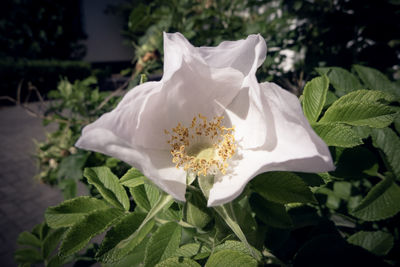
pixel 204 147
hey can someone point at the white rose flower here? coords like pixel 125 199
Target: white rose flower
pixel 209 115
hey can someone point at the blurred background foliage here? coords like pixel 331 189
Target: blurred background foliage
pixel 300 35
pixel 41 29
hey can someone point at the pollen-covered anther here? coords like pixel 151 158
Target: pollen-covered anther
pixel 204 147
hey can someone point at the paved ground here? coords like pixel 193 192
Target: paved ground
pixel 22 199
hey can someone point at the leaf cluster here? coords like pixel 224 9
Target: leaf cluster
pixel 73 105
pixel 281 218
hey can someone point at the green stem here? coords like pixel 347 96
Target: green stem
pixel 380 176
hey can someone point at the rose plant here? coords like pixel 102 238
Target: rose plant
pixel 230 171
pixel 209 116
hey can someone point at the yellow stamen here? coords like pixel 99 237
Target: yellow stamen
pixel 204 147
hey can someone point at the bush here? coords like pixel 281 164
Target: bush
pixel 43 74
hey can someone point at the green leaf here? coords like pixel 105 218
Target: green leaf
pixel 179 262
pixel 206 182
pixel 360 114
pixel 124 237
pixel 173 213
pixel 271 213
pixel 72 211
pixel 195 250
pixel 375 80
pixel 387 140
pixel 282 187
pixel 342 80
pixel 134 258
pixel 230 258
pixel 235 246
pixel 381 202
pixel 145 196
pixel 336 134
pixel 163 243
pixel 71 167
pixel 132 178
pixel 140 197
pixel 108 185
pixel 314 97
pixel 366 96
pixel 27 238
pixel 379 243
pixel 397 123
pixel 152 193
pixel 68 188
pixel 127 244
pixel 330 98
pixel 361 108
pixel 51 241
pixel 227 213
pixel 354 162
pixel 79 235
pixel 27 255
pixel 58 261
pixel 40 230
pixel 342 189
pixel 332 201
pixel 195 210
pixel 313 179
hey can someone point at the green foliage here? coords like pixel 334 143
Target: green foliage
pixel 195 250
pixel 79 235
pixel 337 134
pixel 375 80
pixel 163 243
pixel 379 243
pixel 124 237
pixel 39 246
pixel 132 178
pixel 42 75
pixel 314 97
pixel 230 258
pixel 342 80
pixel 389 142
pixel 333 37
pixel 179 262
pixel 195 211
pixel 60 162
pixel 360 108
pixel 381 202
pixel 46 30
pixel 281 218
pixel 282 187
pixel 72 211
pixel 108 185
pixel 205 23
pixel 271 213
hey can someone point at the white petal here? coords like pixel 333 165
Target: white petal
pixel 154 164
pixel 124 119
pixel 293 138
pixel 193 89
pixel 244 55
pixel 291 144
pixel 227 187
pixel 114 133
pixel 250 119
